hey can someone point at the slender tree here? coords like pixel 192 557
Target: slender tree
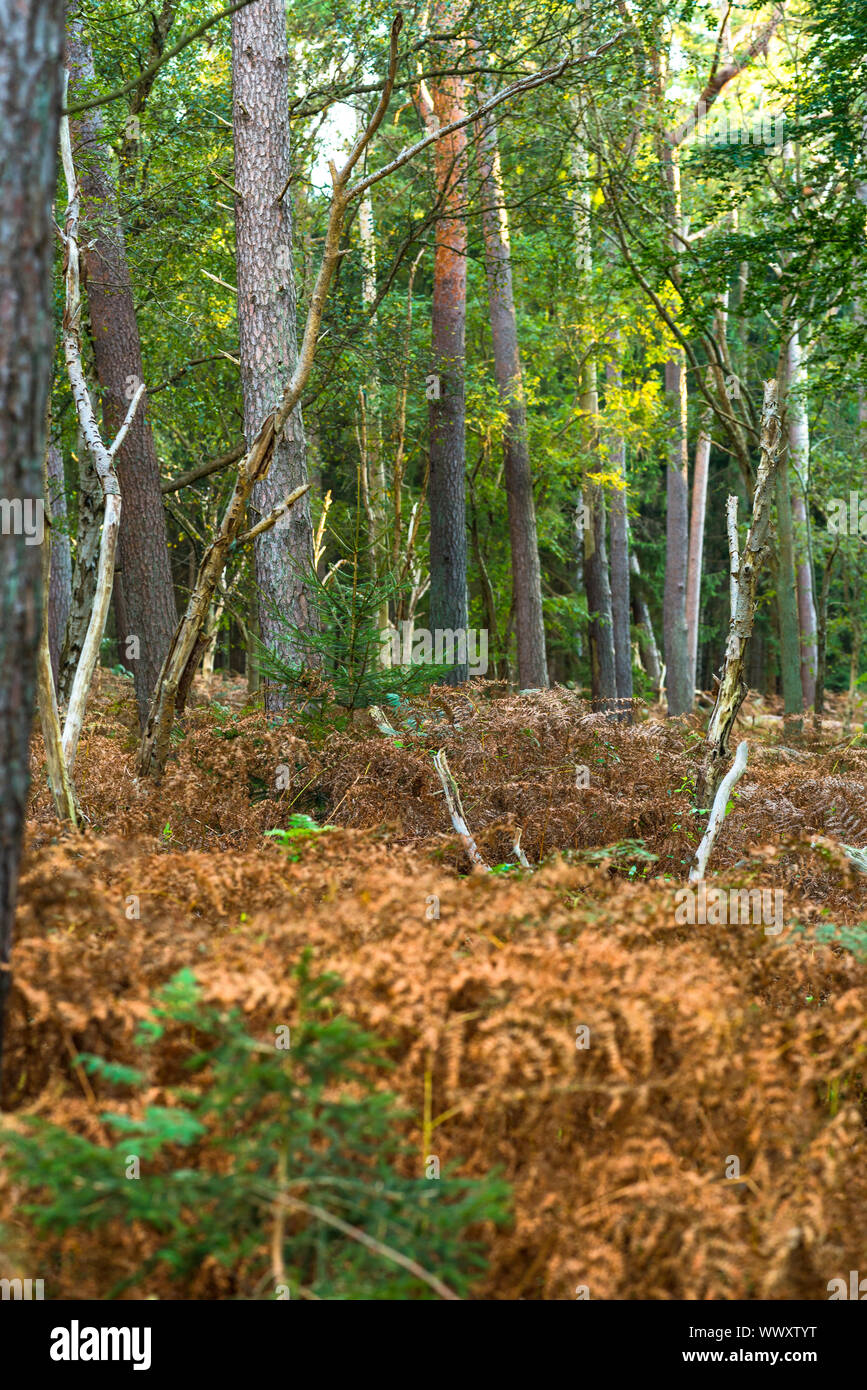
pixel 526 575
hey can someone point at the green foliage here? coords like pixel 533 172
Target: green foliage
pixel 342 657
pixel 273 1143
pixel 300 829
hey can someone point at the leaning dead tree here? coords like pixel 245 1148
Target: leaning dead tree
pixel 189 640
pixel 745 570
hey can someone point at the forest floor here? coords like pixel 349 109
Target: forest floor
pixel 709 1142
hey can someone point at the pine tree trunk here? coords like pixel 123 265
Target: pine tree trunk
pixel 526 575
pixel 266 321
pixel 31 56
pixel 143 555
pixel 447 486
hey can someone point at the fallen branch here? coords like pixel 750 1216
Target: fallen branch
pixel 718 813
pixel 456 810
pixel 518 852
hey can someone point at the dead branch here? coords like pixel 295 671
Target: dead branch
pixel 456 810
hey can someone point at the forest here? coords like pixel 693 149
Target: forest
pixel 433 724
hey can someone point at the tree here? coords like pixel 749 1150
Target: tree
pixel 447 487
pixel 267 316
pixel 31 52
pixel 147 614
pixel 526 576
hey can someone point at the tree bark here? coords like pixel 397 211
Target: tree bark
pixel 526 575
pixel 679 689
pixel 799 457
pixel 31 54
pixel 793 694
pixel 732 689
pixel 87 538
pixel 647 646
pixel 597 584
pixel 447 486
pixel 696 544
pixel 267 327
pixel 143 553
pixel 620 595
pixel 60 582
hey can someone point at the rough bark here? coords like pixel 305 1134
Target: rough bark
pixel 60 582
pixel 143 554
pixel 31 52
pixel 447 486
pixel 267 321
pixel 526 575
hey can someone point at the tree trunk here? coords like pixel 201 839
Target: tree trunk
pixel 822 640
pixel 732 689
pixel 696 544
pixel 680 689
pixel 647 647
pixel 526 575
pixel 60 584
pixel 143 554
pixel 793 695
pixel 447 487
pixel 87 538
pixel 799 457
pixel 31 55
pixel 267 328
pixel 597 585
pixel 680 682
pixel 620 595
